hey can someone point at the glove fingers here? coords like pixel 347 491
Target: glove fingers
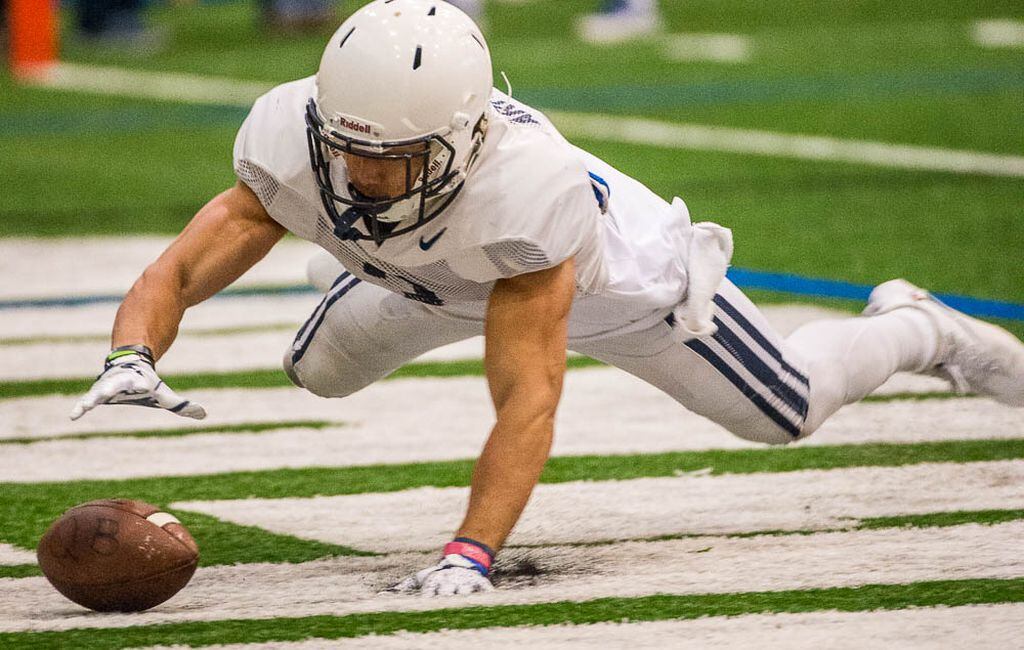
pixel 102 392
pixel 474 587
pixel 404 586
pixel 166 398
pixel 447 589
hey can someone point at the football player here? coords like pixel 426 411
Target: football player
pixel 448 210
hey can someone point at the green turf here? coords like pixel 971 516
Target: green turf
pixel 905 73
pixel 28 508
pixel 949 593
pixel 939 519
pixel 250 427
pixel 19 571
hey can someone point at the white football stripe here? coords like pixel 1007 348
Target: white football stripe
pixel 109 265
pixel 979 627
pixel 211 90
pixel 451 420
pixel 424 518
pixel 722 48
pixel 96 320
pixel 170 86
pixel 999 33
pixel 12 555
pixel 701 137
pixel 232 351
pixel 701 565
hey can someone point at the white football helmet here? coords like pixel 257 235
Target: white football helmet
pixel 408 74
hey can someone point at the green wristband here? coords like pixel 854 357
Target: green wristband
pixel 127 350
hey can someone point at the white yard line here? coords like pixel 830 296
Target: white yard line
pixel 691 566
pixel 783 145
pixel 999 33
pixel 450 420
pixel 980 627
pixel 424 518
pixel 109 265
pixel 96 320
pixel 12 555
pixel 720 48
pixel 170 86
pixel 212 90
pixel 190 354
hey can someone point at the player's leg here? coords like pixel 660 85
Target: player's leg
pixel 360 333
pixel 761 387
pixel 743 377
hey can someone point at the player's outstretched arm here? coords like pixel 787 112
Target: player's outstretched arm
pixel 226 237
pixel 526 334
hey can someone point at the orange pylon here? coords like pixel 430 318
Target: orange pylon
pixel 33 34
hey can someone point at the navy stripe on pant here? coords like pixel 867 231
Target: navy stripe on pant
pixel 317 318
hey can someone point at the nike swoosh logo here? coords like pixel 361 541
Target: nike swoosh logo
pixel 425 244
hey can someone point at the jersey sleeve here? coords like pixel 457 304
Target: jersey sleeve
pixel 270 147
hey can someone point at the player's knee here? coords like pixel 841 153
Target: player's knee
pixel 320 379
pixel 766 433
pixel 770 431
pixel 289 368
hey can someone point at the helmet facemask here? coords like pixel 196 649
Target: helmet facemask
pixel 432 179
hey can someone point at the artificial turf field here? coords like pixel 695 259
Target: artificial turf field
pixel 75 165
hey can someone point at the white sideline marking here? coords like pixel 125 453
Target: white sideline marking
pixel 349 585
pixel 723 48
pixel 998 33
pixel 218 91
pixel 424 518
pixel 766 143
pixel 979 627
pixel 12 555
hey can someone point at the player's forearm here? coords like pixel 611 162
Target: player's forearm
pixel 226 237
pixel 506 473
pixel 151 312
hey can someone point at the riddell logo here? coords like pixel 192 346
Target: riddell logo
pixel 352 125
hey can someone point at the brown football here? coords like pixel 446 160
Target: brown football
pixel 117 555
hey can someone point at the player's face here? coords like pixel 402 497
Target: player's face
pixel 385 178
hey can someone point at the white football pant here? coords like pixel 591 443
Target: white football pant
pixel 745 377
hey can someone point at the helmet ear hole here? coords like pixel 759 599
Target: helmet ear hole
pixel 460 122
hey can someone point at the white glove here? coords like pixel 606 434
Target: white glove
pixel 453 575
pixel 130 378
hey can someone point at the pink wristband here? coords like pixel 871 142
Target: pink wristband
pixel 471 551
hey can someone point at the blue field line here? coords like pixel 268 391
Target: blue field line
pixel 822 288
pixel 745 278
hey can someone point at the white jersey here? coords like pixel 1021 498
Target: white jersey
pixel 528 204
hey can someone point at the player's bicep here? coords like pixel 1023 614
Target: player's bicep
pixel 226 237
pixel 526 334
